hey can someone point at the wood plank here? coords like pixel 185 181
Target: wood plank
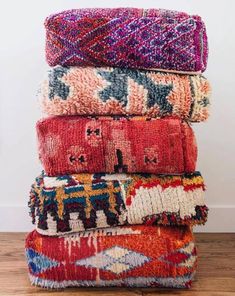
pixel 215 276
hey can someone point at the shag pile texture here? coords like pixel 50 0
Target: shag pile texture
pixel 137 256
pixel 73 144
pixel 127 37
pixel 118 91
pixel 79 202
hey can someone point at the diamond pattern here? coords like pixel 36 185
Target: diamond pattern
pixel 118 267
pixel 180 257
pixel 39 263
pixel 112 41
pixel 115 259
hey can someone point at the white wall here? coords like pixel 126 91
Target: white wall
pixel 23 66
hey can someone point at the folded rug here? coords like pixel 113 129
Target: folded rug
pixel 74 144
pixel 127 37
pixel 74 203
pixel 137 256
pixel 118 91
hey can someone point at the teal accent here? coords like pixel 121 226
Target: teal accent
pixel 204 102
pixel 48 193
pixel 101 185
pixel 107 259
pixel 71 200
pixel 72 189
pixel 118 88
pixel 56 86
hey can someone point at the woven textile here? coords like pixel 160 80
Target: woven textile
pixel 137 256
pixel 106 91
pixel 73 144
pixel 79 202
pixel 127 37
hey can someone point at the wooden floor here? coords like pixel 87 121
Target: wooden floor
pixel 215 276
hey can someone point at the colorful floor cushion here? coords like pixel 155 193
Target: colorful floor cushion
pixel 137 256
pixel 74 144
pixel 118 91
pixel 127 37
pixel 79 202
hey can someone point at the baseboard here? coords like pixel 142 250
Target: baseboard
pixel 16 218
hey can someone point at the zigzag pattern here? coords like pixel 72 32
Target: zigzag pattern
pixel 170 43
pixel 120 91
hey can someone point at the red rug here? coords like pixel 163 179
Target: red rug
pixel 138 256
pixel 73 144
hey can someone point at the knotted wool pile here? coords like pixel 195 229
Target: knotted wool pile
pixel 119 194
pixel 79 202
pixel 119 91
pixel 127 38
pixel 133 256
pixel 73 144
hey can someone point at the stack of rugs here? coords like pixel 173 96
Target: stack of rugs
pixel 119 194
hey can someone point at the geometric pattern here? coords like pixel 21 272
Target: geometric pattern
pixel 127 38
pixel 118 88
pixel 120 91
pixel 180 257
pixel 155 246
pixel 38 262
pixel 85 201
pixel 71 203
pixel 130 256
pixel 115 259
